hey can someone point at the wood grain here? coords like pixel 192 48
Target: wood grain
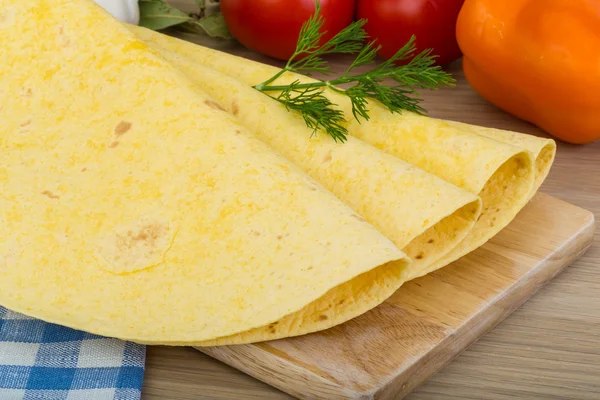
pixel 547 349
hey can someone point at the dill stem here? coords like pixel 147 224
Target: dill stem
pixel 299 86
pixel 317 84
pixel 330 83
pixel 288 67
pixel 264 86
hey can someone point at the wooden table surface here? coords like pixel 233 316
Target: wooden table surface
pixel 547 349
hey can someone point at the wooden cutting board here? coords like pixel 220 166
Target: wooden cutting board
pixel 387 352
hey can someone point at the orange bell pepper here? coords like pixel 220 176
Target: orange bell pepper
pixel 538 60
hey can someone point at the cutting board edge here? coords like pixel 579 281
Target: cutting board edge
pixel 245 361
pixel 573 250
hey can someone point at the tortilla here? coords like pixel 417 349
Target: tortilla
pixel 543 149
pixel 502 174
pixel 132 208
pixel 422 214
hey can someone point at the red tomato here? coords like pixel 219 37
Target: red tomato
pixel 393 22
pixel 272 27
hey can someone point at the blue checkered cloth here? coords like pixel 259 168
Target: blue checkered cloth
pixel 44 361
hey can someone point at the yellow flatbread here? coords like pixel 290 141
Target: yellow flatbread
pixel 544 150
pixel 132 208
pixel 421 213
pixel 498 167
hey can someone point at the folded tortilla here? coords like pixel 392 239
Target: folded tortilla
pixel 421 213
pixel 133 208
pixel 544 150
pixel 501 174
pixel 498 167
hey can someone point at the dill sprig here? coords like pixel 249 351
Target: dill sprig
pixel 318 111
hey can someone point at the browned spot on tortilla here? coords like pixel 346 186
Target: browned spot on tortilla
pixel 279 286
pixel 25 123
pixel 328 244
pixel 271 329
pixel 238 132
pixel 234 107
pixel 148 233
pixel 27 92
pixel 213 104
pixel 430 241
pixel 64 41
pixel 341 302
pixel 279 237
pixel 122 128
pixel 309 268
pixel 114 144
pixel 474 211
pixel 256 233
pixel 419 256
pixel 497 210
pixel 314 189
pixel 83 169
pixel 323 317
pixel 358 217
pixel 50 195
pixel 327 157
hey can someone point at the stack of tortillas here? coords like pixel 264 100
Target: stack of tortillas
pixel 150 193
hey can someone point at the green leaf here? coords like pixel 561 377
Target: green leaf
pixel 214 25
pixel 158 15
